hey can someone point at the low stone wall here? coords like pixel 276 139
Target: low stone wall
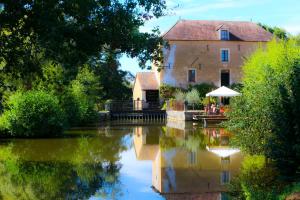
pixel 181 115
pixel 181 125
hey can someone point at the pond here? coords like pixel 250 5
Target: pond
pixel 121 161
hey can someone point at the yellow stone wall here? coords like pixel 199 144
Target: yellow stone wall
pixel 205 57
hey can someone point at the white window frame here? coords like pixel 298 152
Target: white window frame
pixel 188 75
pixel 225 49
pixel 227 34
pixel 221 177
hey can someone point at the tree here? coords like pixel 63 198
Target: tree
pixel 39 38
pixel 193 97
pixel 71 33
pixel 265 119
pixel 278 32
pixel 114 82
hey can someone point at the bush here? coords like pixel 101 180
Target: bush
pixel 192 97
pixel 266 118
pixel 80 108
pixel 32 114
pixel 237 87
pixel 167 91
pixel 203 88
pixel 180 96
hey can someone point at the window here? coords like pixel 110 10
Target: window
pixel 224 35
pixel 192 158
pixel 225 160
pixel 225 177
pixel 224 55
pixel 192 75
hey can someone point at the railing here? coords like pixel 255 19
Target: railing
pixel 131 105
pixel 117 106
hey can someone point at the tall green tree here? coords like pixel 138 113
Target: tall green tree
pixel 277 31
pixel 265 119
pixel 71 32
pixel 114 81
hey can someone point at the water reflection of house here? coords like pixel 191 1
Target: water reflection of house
pixel 179 171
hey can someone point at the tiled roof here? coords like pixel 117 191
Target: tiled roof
pixel 209 30
pixel 147 80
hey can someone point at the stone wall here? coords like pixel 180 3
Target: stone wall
pixel 205 57
pixel 181 115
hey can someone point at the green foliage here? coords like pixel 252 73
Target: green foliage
pixel 193 97
pixel 265 119
pixel 45 44
pixel 180 96
pixel 256 181
pixel 205 101
pixel 276 31
pixel 72 32
pixel 81 98
pixel 167 91
pixel 114 82
pixel 80 167
pixel 164 107
pixel 33 113
pixel 288 190
pixel 237 86
pixel 203 88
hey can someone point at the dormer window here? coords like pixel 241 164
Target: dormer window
pixel 224 34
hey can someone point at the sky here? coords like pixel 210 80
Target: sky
pixel 281 13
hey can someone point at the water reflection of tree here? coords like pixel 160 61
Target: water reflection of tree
pixel 192 140
pixel 93 169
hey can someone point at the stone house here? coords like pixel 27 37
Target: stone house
pixel 202 51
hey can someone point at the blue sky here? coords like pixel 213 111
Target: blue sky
pixel 281 13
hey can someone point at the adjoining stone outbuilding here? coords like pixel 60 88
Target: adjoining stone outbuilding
pixel 145 90
pixel 202 51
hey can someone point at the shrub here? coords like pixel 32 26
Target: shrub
pixel 167 91
pixel 78 105
pixel 203 88
pixel 179 95
pixel 266 118
pixel 80 97
pixel 237 86
pixel 32 114
pixel 193 97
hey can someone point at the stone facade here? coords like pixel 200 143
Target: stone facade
pixel 197 47
pixel 205 58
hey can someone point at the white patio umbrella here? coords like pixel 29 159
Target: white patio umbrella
pixel 223 92
pixel 222 151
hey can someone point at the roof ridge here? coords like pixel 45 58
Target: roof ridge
pixel 163 35
pixel 206 30
pixel 214 20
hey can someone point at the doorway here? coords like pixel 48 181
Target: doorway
pixel 225 78
pixel 225 81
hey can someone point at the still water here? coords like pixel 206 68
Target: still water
pixel 121 161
